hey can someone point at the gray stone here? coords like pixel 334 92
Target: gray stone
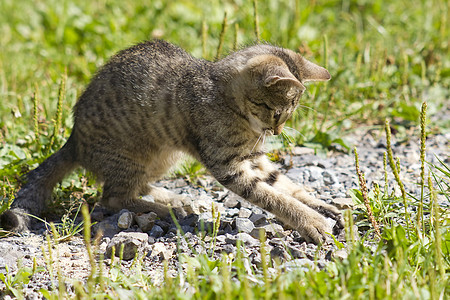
pixel 302 151
pixel 164 252
pixel 315 173
pixel 133 243
pixel 205 221
pixel 329 178
pixel 296 252
pixel 232 212
pixel 279 253
pixel 156 231
pixel 231 201
pixel 243 225
pixel 180 183
pixel 257 210
pixel 125 219
pixel 190 220
pixel 245 238
pixel 258 233
pixel 273 230
pixel 146 221
pixel 202 204
pixel 106 227
pixel 244 212
pixel 258 219
pixel 202 182
pixel 340 254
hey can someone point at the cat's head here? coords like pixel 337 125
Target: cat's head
pixel 267 90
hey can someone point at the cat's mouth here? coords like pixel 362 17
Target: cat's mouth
pixel 278 129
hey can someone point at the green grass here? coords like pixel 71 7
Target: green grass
pixel 386 58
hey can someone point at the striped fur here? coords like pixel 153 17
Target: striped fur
pixel 153 101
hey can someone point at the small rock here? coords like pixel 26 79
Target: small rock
pixel 257 210
pixel 133 242
pixel 273 229
pixel 125 219
pixel 340 254
pixel 190 220
pixel 205 221
pixel 245 238
pixel 180 183
pixel 163 224
pixel 106 227
pixel 244 225
pixel 161 250
pixel 302 151
pixel 232 212
pixel 202 182
pixel 227 248
pixel 244 212
pixel 148 198
pixel 202 205
pixel 343 203
pixel 258 219
pixel 279 253
pixel 146 221
pixel 329 178
pixel 156 231
pixel 258 233
pixel 231 201
pixel 296 252
pixel 315 173
pixel 186 229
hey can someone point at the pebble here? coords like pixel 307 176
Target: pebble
pixel 125 219
pixel 244 212
pixel 146 221
pixel 156 231
pixel 133 243
pixel 244 225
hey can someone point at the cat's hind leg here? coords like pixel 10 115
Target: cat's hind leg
pixel 125 180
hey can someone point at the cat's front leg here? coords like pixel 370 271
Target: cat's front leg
pixel 258 187
pixel 284 184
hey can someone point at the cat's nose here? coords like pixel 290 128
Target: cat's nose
pixel 278 129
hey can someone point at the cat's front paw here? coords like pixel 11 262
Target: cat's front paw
pixel 315 229
pixel 331 212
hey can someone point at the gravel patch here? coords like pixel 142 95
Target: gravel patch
pixel 328 178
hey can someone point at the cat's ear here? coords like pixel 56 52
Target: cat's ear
pixel 312 72
pixel 271 80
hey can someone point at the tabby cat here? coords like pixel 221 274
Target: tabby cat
pixel 154 101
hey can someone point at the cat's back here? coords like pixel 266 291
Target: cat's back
pixel 148 54
pixel 139 68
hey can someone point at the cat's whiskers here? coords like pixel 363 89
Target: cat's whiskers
pixel 293 129
pixel 304 106
pixel 257 141
pixel 265 132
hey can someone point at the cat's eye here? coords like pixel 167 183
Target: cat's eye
pixel 277 116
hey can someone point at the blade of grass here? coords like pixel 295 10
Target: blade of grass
pixel 395 170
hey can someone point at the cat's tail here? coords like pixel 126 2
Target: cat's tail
pixel 30 200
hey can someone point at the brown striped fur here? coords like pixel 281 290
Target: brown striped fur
pixel 153 101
